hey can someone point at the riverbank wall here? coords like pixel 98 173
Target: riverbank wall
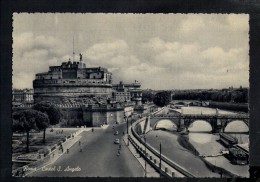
pixel 184 142
pixel 229 106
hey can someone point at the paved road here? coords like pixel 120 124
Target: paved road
pixel 98 157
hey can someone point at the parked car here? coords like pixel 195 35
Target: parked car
pixel 116 133
pixel 117 141
pixel 16 142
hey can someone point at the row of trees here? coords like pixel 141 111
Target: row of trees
pixel 162 98
pixel 236 95
pixel 147 96
pixel 225 95
pixel 39 117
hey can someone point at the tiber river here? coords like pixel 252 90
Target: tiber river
pixel 205 144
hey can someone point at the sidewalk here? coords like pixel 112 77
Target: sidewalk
pixel 150 171
pixel 170 169
pixel 55 155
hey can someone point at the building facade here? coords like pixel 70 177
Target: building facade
pixel 22 95
pixel 128 92
pixel 72 79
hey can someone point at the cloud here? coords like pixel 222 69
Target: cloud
pixel 107 50
pixel 191 63
pixel 238 22
pixel 33 54
pixel 114 55
pixel 191 24
pixel 162 51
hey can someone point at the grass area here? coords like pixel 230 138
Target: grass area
pixel 36 140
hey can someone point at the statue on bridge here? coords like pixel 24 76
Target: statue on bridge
pixel 217 111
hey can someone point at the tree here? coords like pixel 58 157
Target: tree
pixel 162 98
pixel 51 110
pixel 26 120
pixel 147 96
pixel 42 122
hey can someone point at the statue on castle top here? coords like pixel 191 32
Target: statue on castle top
pixel 80 57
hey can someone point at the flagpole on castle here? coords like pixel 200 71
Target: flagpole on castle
pixel 73 50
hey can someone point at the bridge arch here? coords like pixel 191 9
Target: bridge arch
pixel 182 103
pixel 236 125
pixel 199 125
pixel 166 124
pixel 195 103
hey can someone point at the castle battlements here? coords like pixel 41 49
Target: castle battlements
pixel 72 79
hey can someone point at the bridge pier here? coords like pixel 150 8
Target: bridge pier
pixel 217 130
pixel 181 126
pixel 217 126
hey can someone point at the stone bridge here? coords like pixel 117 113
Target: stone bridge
pixel 188 103
pixel 184 121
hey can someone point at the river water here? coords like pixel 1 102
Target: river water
pixel 205 143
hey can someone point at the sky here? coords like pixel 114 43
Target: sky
pixel 162 51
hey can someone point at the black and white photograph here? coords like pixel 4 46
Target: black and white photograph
pixel 130 95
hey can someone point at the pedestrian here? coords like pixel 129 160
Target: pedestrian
pixel 67 151
pixel 61 131
pixel 17 173
pixel 23 173
pixel 62 150
pixel 80 149
pixel 79 143
pixel 123 133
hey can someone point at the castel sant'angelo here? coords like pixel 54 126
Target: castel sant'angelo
pixel 86 95
pixel 72 79
pixel 75 80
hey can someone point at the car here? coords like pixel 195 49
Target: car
pixel 117 141
pixel 116 133
pixel 16 142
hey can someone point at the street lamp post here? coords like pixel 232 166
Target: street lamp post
pixel 127 124
pixel 160 164
pixel 160 160
pixel 131 119
pixel 145 156
pixel 128 140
